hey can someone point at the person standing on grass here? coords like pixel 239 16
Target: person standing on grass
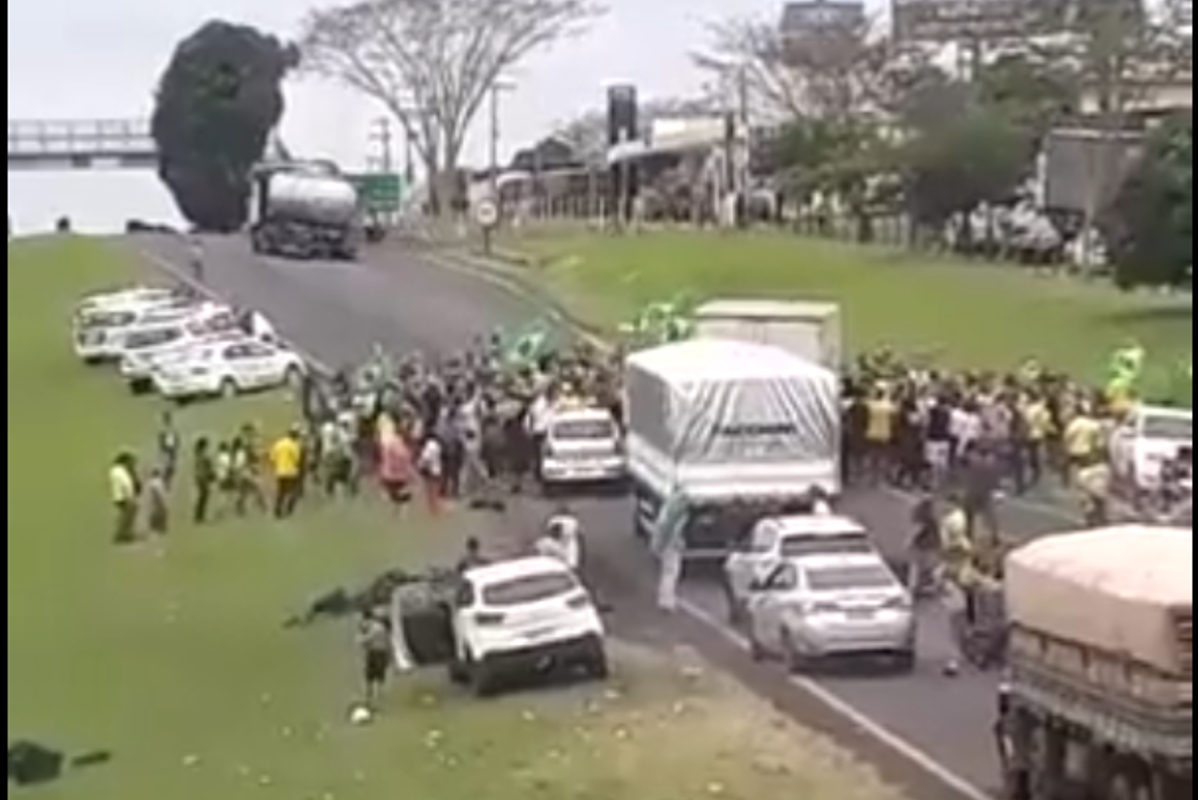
pixel 375 641
pixel 431 466
pixel 286 458
pixel 396 470
pixel 156 496
pixel 168 444
pixel 205 478
pixel 124 491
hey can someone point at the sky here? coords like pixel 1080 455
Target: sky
pixel 68 59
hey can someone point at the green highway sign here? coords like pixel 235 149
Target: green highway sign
pixel 380 192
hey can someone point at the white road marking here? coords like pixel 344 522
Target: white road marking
pixel 864 723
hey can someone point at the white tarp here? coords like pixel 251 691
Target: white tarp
pixel 704 410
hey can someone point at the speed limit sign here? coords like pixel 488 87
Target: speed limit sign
pixel 487 213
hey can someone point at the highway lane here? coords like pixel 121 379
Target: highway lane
pixel 402 300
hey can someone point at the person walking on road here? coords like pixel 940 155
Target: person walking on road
pixel 196 258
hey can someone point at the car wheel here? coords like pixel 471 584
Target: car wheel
pixel 597 666
pixel 734 611
pixel 481 678
pixel 795 661
pixel 293 377
pixel 757 651
pixel 229 388
pixel 457 672
pixel 139 388
pixel 906 661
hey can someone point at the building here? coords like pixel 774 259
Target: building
pixel 995 20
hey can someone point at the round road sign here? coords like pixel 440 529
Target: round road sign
pixel 487 214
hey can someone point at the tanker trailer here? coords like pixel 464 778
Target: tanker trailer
pixel 1099 697
pixel 304 214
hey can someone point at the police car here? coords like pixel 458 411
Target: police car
pixel 227 369
pixel 583 445
pixel 525 616
pixel 146 350
pixel 100 334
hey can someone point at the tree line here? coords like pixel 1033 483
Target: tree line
pixel 870 120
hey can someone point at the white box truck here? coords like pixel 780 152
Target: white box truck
pixel 810 330
pixel 724 427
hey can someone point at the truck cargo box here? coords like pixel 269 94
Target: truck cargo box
pixel 810 330
pixel 1126 591
pixel 720 418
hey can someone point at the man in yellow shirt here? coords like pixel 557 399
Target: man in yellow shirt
pixel 1083 441
pixel 881 420
pixel 287 462
pixel 123 489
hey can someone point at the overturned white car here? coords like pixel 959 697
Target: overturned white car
pixel 522 617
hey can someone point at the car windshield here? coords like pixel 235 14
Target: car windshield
pixel 140 340
pixel 834 579
pixel 529 589
pixel 1169 427
pixel 801 545
pixel 92 320
pixel 572 430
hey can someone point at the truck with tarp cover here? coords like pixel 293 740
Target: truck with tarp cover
pixel 1099 697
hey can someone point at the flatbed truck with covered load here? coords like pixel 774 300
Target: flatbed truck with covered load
pixel 1098 701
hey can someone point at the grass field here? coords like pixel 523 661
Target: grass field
pixel 174 661
pixel 964 315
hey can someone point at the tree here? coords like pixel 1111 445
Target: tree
pixel 1151 227
pixel 433 63
pixel 217 103
pixel 834 70
pixel 979 156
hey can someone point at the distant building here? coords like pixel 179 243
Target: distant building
pixel 805 17
pixel 995 20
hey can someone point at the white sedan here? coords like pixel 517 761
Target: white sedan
pixel 228 369
pixel 147 351
pixel 828 606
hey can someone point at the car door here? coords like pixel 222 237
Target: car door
pixel 235 364
pixel 261 364
pixel 1122 449
pixel 422 621
pixel 768 600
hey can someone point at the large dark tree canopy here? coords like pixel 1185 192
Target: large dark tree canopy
pixel 217 103
pixel 1151 227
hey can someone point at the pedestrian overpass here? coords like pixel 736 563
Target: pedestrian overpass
pixel 81 144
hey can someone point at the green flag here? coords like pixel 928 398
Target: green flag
pixel 1126 364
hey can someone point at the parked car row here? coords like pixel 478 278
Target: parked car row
pixel 180 346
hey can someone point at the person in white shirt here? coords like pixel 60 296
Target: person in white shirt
pixel 431 466
pixel 560 539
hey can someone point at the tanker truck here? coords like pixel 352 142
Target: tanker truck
pixel 1098 699
pixel 304 213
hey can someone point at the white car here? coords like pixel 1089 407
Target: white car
pixel 132 297
pixel 837 605
pixel 100 335
pixel 774 540
pixel 583 445
pixel 523 616
pixel 1146 441
pixel 146 350
pixel 227 369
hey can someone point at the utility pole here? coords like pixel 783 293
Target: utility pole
pixel 497 88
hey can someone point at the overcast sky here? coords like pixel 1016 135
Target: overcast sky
pixel 69 59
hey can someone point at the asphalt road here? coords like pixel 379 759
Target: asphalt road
pixel 403 300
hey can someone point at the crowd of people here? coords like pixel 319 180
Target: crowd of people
pixel 467 426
